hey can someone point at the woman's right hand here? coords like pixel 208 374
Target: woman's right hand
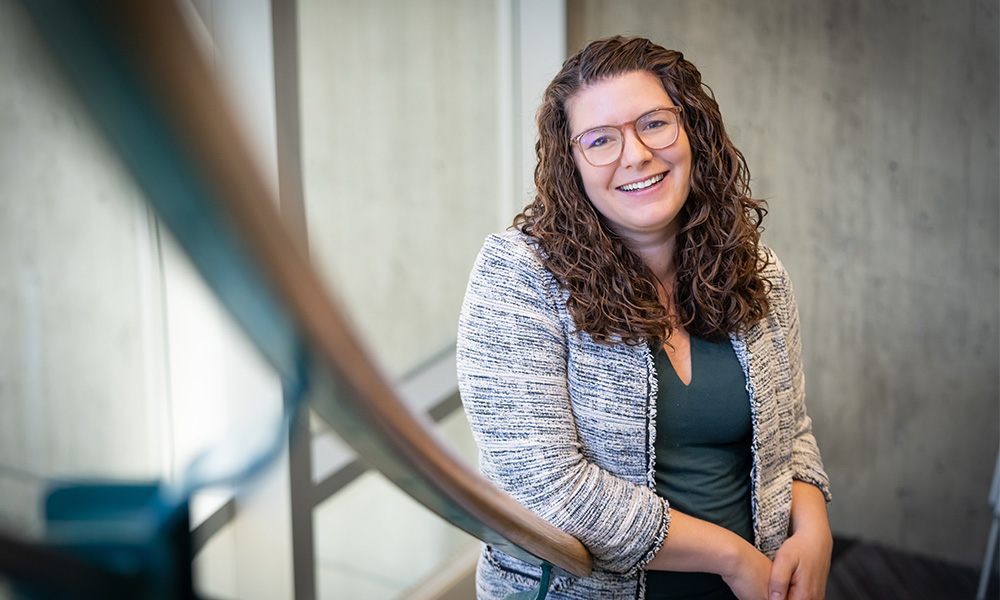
pixel 750 575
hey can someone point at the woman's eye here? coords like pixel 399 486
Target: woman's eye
pixel 654 125
pixel 598 142
pixel 598 139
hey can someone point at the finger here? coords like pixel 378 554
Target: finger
pixel 781 575
pixel 803 590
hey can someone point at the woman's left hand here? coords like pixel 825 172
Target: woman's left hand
pixel 802 563
pixel 801 567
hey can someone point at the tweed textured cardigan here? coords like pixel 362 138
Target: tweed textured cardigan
pixel 567 426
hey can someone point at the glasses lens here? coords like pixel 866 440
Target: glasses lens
pixel 658 129
pixel 601 146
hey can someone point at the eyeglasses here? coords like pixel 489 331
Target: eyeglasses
pixel 656 129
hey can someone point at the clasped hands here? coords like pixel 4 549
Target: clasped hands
pixel 798 572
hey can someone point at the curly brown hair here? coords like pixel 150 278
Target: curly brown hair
pixel 612 293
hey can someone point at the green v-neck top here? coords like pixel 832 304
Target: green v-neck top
pixel 703 458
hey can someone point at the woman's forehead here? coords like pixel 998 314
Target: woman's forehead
pixel 616 100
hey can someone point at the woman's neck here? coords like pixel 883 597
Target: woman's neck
pixel 658 255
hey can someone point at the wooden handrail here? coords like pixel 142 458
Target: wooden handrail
pixel 348 391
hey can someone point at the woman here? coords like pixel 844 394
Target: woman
pixel 629 355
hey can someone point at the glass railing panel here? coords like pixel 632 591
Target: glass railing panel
pixel 215 567
pixel 117 363
pixel 122 365
pixel 374 541
pixel 80 349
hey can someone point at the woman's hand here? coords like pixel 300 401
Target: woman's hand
pixel 750 575
pixel 802 564
pixel 801 567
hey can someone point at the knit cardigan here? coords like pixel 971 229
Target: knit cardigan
pixel 567 426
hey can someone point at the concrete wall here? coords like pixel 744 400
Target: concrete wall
pixel 401 166
pixel 399 152
pixel 871 128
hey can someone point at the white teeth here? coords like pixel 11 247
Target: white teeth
pixel 631 187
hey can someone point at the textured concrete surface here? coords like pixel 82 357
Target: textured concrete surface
pixel 399 112
pixel 399 151
pixel 871 128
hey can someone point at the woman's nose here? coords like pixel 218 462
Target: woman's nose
pixel 634 152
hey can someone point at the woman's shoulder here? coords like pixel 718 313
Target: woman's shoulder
pixel 511 241
pixel 781 295
pixel 509 279
pixel 511 250
pixel 774 270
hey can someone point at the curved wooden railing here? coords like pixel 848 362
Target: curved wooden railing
pixel 234 234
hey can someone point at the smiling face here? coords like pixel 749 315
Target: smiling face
pixel 642 193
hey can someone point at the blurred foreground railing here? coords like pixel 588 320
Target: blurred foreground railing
pixel 140 73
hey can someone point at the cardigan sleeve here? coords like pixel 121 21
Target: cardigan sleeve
pixel 807 464
pixel 512 368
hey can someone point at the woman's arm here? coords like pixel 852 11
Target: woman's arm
pixel 803 561
pixel 807 464
pixel 513 378
pixel 697 545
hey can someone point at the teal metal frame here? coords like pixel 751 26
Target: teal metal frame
pixel 543 587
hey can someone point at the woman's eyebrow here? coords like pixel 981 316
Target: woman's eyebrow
pixel 641 115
